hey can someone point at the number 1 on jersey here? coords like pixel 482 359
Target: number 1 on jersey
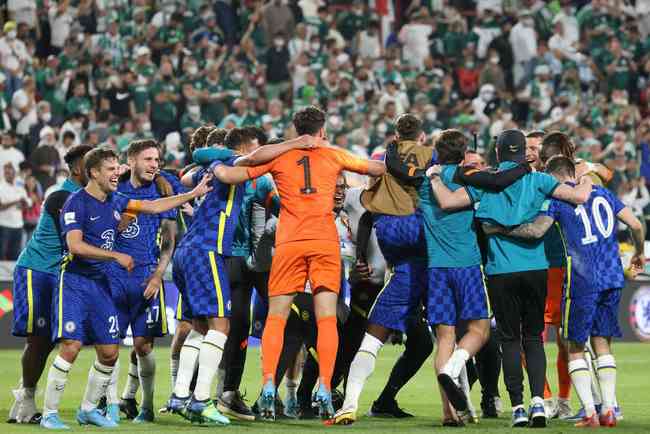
pixel 304 162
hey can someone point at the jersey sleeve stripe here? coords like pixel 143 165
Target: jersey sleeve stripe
pixel 217 284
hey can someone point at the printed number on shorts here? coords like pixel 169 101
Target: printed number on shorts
pixel 152 314
pixel 113 328
pixel 605 225
pixel 304 162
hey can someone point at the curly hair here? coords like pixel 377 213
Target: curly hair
pixel 408 126
pixel 451 146
pixel 309 120
pixel 200 136
pixel 217 136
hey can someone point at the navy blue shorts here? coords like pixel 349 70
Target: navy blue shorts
pixel 147 318
pixel 32 298
pixel 400 238
pixel 83 310
pixel 202 281
pixel 401 297
pixel 591 314
pixel 457 294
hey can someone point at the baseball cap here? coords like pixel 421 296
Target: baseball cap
pixel 511 145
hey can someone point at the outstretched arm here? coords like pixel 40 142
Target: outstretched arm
pixel 167 203
pixel 487 180
pixel 264 154
pixel 533 230
pixel 230 175
pixel 576 195
pixel 638 237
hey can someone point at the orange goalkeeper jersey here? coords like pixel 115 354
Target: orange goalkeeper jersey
pixel 306 181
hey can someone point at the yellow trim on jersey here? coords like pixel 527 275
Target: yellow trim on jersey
pixel 391 273
pixel 30 302
pixel 163 308
pixel 313 353
pixel 487 296
pixel 217 284
pixel 295 309
pixel 567 306
pixel 59 333
pixel 179 307
pixel 223 216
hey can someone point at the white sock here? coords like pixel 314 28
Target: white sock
pixel 292 388
pixel 111 390
pixel 56 379
pixel 537 400
pixel 132 382
pixel 187 363
pixel 456 362
pixel 360 369
pixel 147 376
pixel 209 358
pixel 98 378
pixel 581 379
pixel 221 378
pixel 173 368
pixel 464 385
pixel 607 380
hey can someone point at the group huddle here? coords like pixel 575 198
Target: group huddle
pixel 435 246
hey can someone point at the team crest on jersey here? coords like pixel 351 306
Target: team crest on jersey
pixel 40 322
pixel 640 313
pixel 70 326
pixel 133 230
pixel 117 215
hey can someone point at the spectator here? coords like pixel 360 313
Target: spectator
pixel 395 96
pixel 493 74
pixel 299 43
pixel 277 18
pixel 12 48
pixel 9 153
pixel 368 42
pixel 277 68
pixel 164 97
pixel 61 20
pixel 32 212
pixel 415 39
pixel 23 107
pixel 13 199
pixel 523 40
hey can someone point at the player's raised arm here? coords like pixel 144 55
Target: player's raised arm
pixel 231 175
pixel 487 180
pixel 638 237
pixel 267 153
pixel 576 195
pixel 533 230
pixel 78 247
pixel 165 204
pixel 447 199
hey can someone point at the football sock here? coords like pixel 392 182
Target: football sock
pixel 56 379
pixel 98 378
pixel 209 358
pixel 607 380
pixel 112 397
pixel 272 342
pixel 327 345
pixel 173 368
pixel 132 382
pixel 362 366
pixel 579 374
pixel 147 376
pixel 187 363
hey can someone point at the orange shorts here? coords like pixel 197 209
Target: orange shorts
pixel 296 261
pixel 555 285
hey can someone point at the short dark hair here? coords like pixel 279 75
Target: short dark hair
pixel 557 143
pixel 259 134
pixel 97 156
pixel 200 136
pixel 309 120
pixel 535 134
pixel 561 165
pixel 217 136
pixel 408 126
pixel 69 135
pixel 237 137
pixel 451 146
pixel 75 154
pixel 138 146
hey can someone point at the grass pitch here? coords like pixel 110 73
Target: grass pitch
pixel 420 397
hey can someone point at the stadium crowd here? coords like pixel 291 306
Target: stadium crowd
pixel 110 71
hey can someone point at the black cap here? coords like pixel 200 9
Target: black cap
pixel 511 145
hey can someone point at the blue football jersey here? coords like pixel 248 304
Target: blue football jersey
pixel 589 234
pixel 97 221
pixel 140 238
pixel 215 220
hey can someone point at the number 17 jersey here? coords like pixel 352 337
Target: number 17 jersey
pixel 306 181
pixel 589 235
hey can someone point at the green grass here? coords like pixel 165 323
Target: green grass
pixel 420 397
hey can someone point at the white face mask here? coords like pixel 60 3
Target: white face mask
pixel 194 111
pixel 146 127
pixel 315 46
pixel 192 70
pixel 495 60
pixel 278 42
pixel 11 34
pixel 46 117
pixel 432 116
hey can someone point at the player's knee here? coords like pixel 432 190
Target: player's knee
pixel 482 329
pixel 143 347
pixel 38 345
pixel 219 324
pixel 445 335
pixel 108 354
pixel 69 350
pixel 576 348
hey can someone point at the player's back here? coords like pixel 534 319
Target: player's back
pixel 589 231
pixel 306 182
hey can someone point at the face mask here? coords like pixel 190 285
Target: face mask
pixel 192 70
pixel 169 9
pixel 469 65
pixel 315 46
pixel 146 127
pixel 278 42
pixel 237 76
pixel 46 117
pixel 507 117
pixel 620 101
pixel 432 116
pixel 194 111
pixel 494 60
pixel 78 125
pixel 11 34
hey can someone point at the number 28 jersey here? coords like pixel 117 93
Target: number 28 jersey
pixel 306 181
pixel 589 235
